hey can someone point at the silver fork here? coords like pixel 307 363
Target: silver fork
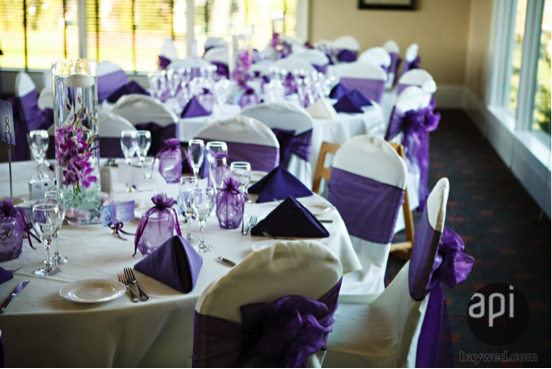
pixel 132 279
pixel 123 281
pixel 252 222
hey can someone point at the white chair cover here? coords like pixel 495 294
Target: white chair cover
pixel 111 125
pixel 142 109
pixel 292 64
pixel 314 57
pixel 168 50
pixel 217 54
pixel 291 117
pixel 304 268
pixel 391 46
pixel 417 77
pixel 247 139
pixel 382 330
pixel 110 78
pixel 47 78
pixel 367 77
pixel 346 42
pixel 376 161
pixel 24 85
pixel 46 98
pixel 189 62
pixel 376 55
pixel 213 42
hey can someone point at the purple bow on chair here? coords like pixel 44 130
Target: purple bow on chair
pixel 415 126
pixel 222 69
pixel 290 143
pixel 414 64
pixel 283 333
pixel 450 267
pixel 163 62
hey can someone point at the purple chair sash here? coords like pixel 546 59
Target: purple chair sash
pixel 283 333
pixel 321 68
pixel 261 157
pixel 371 88
pixel 159 134
pixel 131 87
pixel 290 143
pixel 109 83
pixel 290 85
pixel 369 208
pixel 414 64
pixel 163 62
pixel 415 126
pixel 28 117
pixel 436 259
pixel 347 56
pixel 222 69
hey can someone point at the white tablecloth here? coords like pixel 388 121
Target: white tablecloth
pixel 42 329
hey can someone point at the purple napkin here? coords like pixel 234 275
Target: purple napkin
pixel 194 109
pixel 163 62
pixel 290 219
pixel 131 87
pixel 347 105
pixel 5 275
pixel 338 91
pixel 174 263
pixel 347 55
pixel 279 184
pixel 359 98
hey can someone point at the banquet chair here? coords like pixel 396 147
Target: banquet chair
pixel 248 317
pixel 322 172
pixel 368 194
pixel 366 77
pixel 407 324
pixel 292 64
pixel 316 58
pixel 219 56
pixel 146 113
pixel 377 55
pixel 111 77
pixel 292 126
pixel 346 48
pixel 411 59
pixel 193 62
pixel 411 121
pixel 393 49
pixel 214 42
pixel 247 140
pixel 167 53
pixel 417 77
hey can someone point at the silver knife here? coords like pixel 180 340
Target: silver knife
pixel 229 263
pixel 13 295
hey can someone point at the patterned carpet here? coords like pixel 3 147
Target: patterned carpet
pixel 498 221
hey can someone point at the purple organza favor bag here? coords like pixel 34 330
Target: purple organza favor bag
pixel 230 204
pixel 157 225
pixel 170 161
pixel 13 225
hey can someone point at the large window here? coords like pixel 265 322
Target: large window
pixel 541 110
pixel 130 33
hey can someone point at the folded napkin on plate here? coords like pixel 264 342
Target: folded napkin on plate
pixel 338 91
pixel 347 105
pixel 279 184
pixel 5 275
pixel 174 263
pixel 322 109
pixel 359 98
pixel 194 109
pixel 131 87
pixel 290 219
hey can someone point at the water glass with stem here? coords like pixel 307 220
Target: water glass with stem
pixel 39 145
pixel 187 184
pixel 219 171
pixel 242 171
pixel 203 203
pixel 143 145
pixel 57 197
pixel 46 222
pixel 129 144
pixel 196 152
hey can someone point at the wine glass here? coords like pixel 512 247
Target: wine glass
pixel 222 92
pixel 219 171
pixel 242 171
pixel 187 184
pixel 129 144
pixel 143 145
pixel 57 197
pixel 39 145
pixel 203 202
pixel 196 152
pixel 46 222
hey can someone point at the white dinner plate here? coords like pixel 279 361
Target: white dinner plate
pixel 91 291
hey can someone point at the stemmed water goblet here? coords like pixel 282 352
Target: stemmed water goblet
pixel 46 220
pixel 203 203
pixel 129 145
pixel 173 81
pixel 143 145
pixel 222 92
pixel 214 149
pixel 242 171
pixel 39 145
pixel 196 152
pixel 219 171
pixel 57 197
pixel 187 184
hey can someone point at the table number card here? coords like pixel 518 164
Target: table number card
pixel 117 213
pixel 7 132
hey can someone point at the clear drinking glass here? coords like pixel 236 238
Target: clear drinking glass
pixel 46 222
pixel 143 145
pixel 173 80
pixel 222 92
pixel 187 184
pixel 129 144
pixel 242 171
pixel 219 171
pixel 39 145
pixel 215 147
pixel 203 203
pixel 196 152
pixel 57 197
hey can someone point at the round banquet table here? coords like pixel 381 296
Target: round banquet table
pixel 41 329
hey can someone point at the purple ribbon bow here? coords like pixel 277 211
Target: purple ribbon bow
pixel 162 202
pixel 450 267
pixel 283 333
pixel 290 143
pixel 117 227
pixel 163 62
pixel 415 126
